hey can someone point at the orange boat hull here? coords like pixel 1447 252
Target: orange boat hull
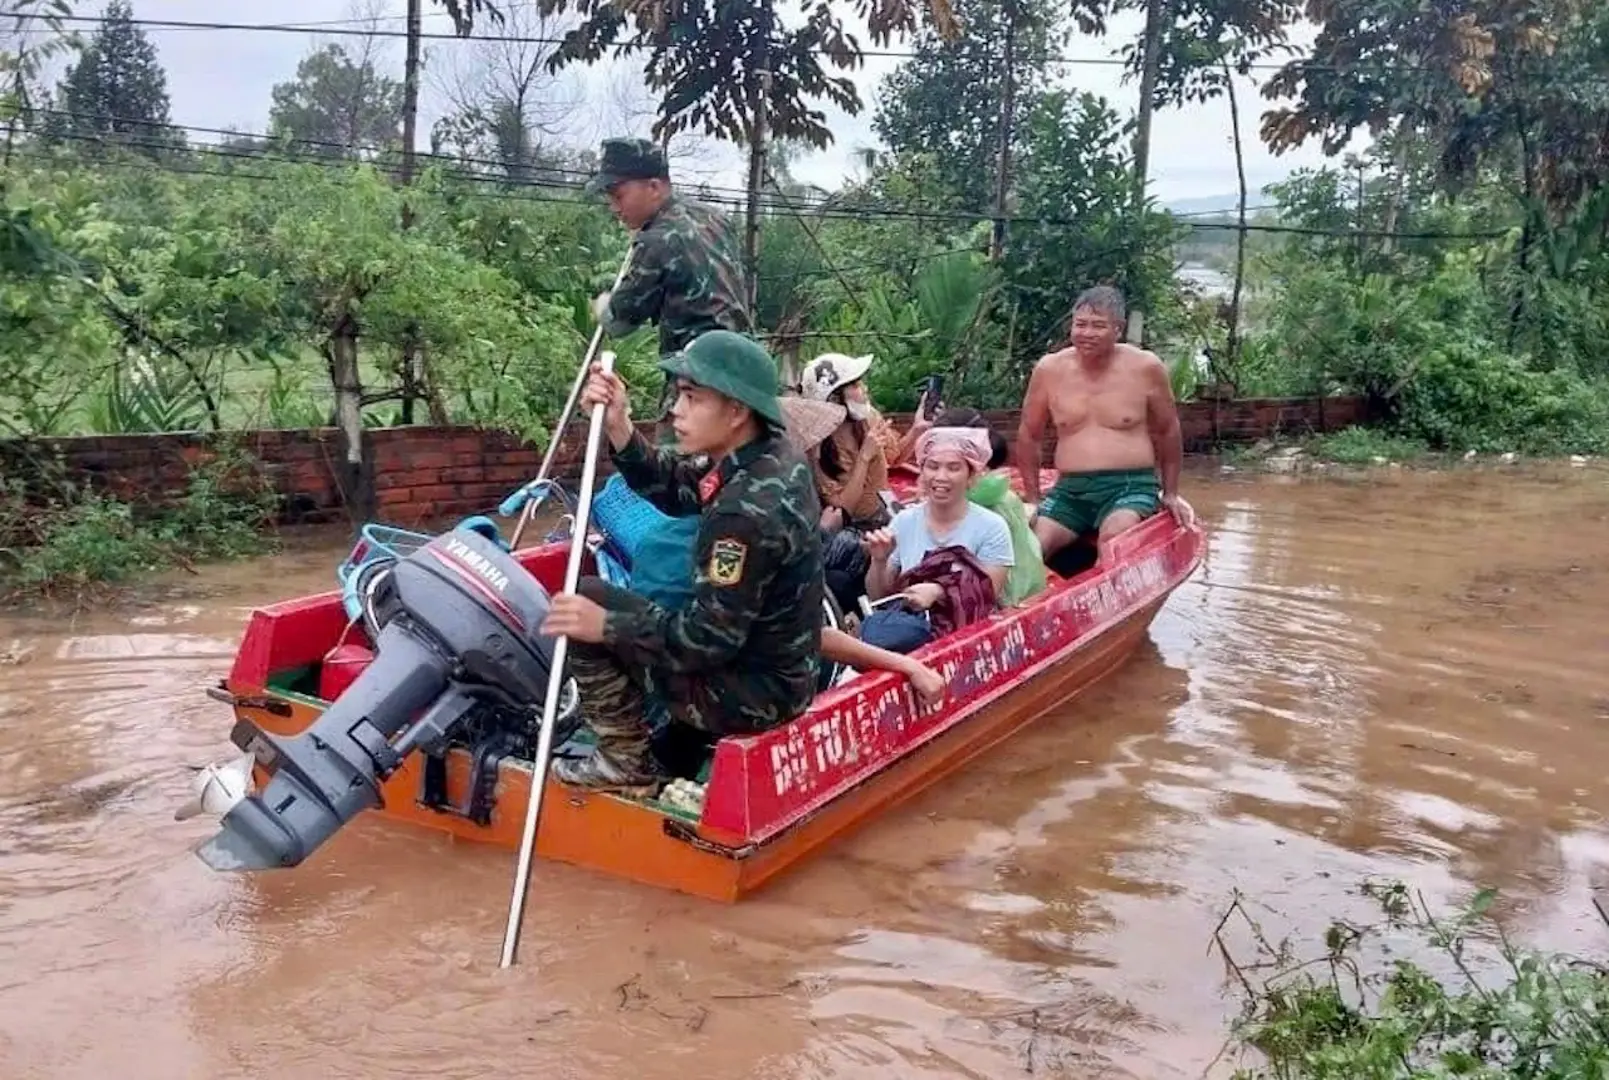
pixel 774 798
pixel 630 840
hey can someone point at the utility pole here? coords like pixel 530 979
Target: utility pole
pixel 1232 353
pixel 1008 98
pixel 1363 248
pixel 1156 15
pixel 412 364
pixel 759 98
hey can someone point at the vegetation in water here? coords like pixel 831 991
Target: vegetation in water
pixel 1475 1005
pixel 69 542
pixel 155 276
pixel 1365 446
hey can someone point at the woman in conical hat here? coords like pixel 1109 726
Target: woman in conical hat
pixel 810 422
pixel 847 444
pixel 851 465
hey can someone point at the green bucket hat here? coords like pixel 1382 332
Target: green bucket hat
pixel 628 159
pixel 733 365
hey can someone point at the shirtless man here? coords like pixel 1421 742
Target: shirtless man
pixel 1118 447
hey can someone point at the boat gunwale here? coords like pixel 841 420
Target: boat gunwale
pixel 1146 542
pixel 954 648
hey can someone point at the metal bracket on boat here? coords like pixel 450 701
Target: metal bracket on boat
pixel 267 704
pixel 484 759
pixel 680 830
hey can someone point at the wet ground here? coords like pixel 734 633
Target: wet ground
pixel 1403 677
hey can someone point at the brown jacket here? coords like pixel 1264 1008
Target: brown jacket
pixel 868 511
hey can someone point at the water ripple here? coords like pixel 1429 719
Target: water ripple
pixel 1394 678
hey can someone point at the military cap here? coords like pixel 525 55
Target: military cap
pixel 732 365
pixel 628 159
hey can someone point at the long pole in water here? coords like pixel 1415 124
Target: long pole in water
pixel 550 707
pixel 528 511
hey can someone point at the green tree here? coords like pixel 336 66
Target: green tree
pixel 947 100
pixel 1081 228
pixel 714 62
pixel 32 32
pixel 1486 81
pixel 1496 88
pixel 337 106
pixel 1181 49
pixel 116 91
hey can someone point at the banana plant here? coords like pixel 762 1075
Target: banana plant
pixel 148 394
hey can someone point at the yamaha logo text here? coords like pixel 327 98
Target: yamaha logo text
pixel 478 563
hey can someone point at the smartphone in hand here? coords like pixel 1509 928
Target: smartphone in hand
pixel 933 391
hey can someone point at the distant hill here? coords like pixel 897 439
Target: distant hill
pixel 1203 205
pixel 1207 204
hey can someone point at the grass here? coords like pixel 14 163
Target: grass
pixel 76 543
pixel 1364 446
pixel 1496 1011
pixel 1353 446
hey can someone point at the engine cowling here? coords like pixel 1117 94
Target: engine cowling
pixel 460 630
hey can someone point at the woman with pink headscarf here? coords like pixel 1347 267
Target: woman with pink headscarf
pixel 949 458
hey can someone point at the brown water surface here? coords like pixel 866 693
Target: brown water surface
pixel 1405 676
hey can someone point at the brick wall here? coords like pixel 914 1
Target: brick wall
pixel 424 474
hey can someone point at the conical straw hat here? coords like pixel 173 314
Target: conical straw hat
pixel 810 422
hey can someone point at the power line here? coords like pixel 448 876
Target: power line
pixel 369 20
pixel 334 29
pixel 528 187
pixel 728 196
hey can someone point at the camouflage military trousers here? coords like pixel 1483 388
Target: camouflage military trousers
pixel 615 695
pixel 664 432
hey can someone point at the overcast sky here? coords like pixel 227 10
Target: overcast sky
pixel 222 78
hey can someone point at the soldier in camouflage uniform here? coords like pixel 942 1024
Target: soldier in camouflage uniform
pixel 742 655
pixel 686 269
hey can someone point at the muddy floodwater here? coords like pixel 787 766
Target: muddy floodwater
pixel 1405 675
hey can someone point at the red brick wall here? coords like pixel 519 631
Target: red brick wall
pixel 424 474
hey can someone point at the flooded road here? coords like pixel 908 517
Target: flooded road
pixel 1400 677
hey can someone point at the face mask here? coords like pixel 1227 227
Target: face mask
pixel 858 410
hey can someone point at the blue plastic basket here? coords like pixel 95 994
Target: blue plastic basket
pixel 376 542
pixel 386 543
pixel 624 517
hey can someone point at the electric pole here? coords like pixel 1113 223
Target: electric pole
pixel 1157 13
pixel 759 99
pixel 412 365
pixel 1008 98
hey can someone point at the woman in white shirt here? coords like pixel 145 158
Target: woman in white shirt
pixel 950 458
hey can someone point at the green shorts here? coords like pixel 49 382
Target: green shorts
pixel 1080 502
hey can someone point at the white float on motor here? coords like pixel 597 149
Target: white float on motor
pixel 216 789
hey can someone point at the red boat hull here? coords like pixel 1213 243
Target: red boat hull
pixel 774 798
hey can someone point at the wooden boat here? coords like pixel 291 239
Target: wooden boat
pixel 774 798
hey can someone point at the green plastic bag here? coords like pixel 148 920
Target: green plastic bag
pixel 1027 577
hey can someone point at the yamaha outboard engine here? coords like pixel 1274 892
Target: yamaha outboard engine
pixel 460 632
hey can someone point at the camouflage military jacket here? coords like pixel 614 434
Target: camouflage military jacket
pixel 686 274
pixel 757 584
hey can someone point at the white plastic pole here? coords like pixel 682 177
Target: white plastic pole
pixel 550 707
pixel 528 511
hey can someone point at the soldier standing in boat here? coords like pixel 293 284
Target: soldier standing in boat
pixel 687 268
pixel 757 585
pixel 1118 444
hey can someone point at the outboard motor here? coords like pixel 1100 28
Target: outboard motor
pixel 459 633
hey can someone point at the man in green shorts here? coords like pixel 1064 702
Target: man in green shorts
pixel 1118 445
